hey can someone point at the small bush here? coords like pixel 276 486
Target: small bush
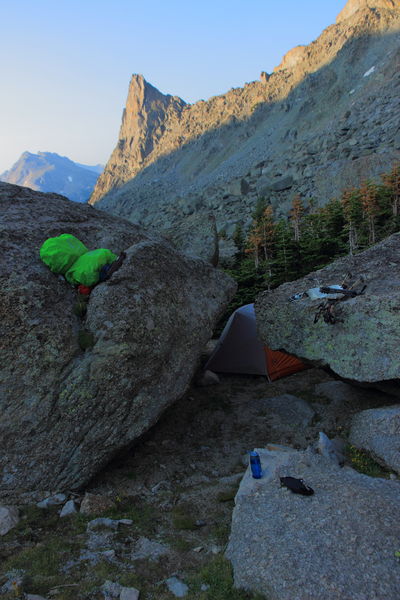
pixel 85 339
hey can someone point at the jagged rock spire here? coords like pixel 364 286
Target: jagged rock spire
pixel 143 123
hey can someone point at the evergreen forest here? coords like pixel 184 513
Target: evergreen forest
pixel 273 252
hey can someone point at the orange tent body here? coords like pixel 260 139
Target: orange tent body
pixel 279 364
pixel 240 351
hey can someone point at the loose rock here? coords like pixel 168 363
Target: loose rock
pixel 208 378
pixel 9 518
pixel 95 504
pixel 55 500
pixel 177 587
pixel 129 594
pixel 332 449
pixel 145 548
pixel 101 523
pixel 111 589
pixel 69 508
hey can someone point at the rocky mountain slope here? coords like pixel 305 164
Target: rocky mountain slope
pixel 326 118
pixel 49 172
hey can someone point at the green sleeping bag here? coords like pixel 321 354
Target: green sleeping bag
pixel 59 253
pixel 86 270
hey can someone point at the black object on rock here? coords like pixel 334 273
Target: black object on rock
pixel 297 486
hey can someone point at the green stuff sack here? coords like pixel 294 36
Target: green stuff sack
pixel 86 270
pixel 59 253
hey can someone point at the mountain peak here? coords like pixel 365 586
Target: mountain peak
pixel 50 172
pixel 353 6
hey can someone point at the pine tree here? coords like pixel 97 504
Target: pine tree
pixel 352 211
pixel 238 238
pixel 392 182
pixel 369 200
pixel 296 215
pixel 253 244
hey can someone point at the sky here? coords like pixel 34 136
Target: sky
pixel 65 66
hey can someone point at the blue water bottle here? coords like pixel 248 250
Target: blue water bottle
pixel 255 465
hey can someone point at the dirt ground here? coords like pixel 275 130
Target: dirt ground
pixel 177 485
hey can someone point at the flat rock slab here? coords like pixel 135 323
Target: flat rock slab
pixel 338 544
pixel 378 431
pixel 363 344
pixel 342 394
pixel 148 549
pixel 287 411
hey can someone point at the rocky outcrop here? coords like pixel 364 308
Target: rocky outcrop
pixel 378 431
pixel 145 119
pixel 197 237
pixel 65 411
pixel 363 343
pixel 325 119
pixel 338 544
pixel 49 172
pixel 353 6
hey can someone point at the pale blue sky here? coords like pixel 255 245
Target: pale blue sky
pixel 65 66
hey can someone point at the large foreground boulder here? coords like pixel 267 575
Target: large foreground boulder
pixel 338 544
pixel 66 407
pixel 378 431
pixel 363 343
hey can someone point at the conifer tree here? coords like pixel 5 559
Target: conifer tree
pixel 352 211
pixel 296 215
pixel 276 252
pixel 392 182
pixel 369 200
pixel 254 241
pixel 238 238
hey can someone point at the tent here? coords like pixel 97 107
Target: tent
pixel 239 350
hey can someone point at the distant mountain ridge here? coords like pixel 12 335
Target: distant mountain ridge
pixel 50 172
pixel 324 120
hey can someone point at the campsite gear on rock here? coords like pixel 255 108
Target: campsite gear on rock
pixel 59 253
pixel 240 351
pixel 68 256
pixel 86 269
pixel 255 465
pixel 103 275
pixel 107 270
pixel 297 486
pixel 332 449
pixel 296 297
pixel 84 290
pixel 318 292
pixel 345 293
pixel 327 309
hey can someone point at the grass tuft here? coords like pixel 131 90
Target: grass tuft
pixel 362 462
pixel 218 576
